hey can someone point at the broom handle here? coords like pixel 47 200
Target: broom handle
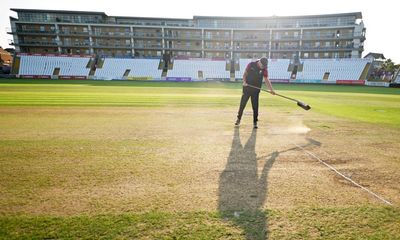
pixel 271 93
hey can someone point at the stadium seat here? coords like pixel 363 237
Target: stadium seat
pixel 115 68
pixel 214 69
pixel 45 65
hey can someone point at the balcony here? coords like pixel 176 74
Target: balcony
pixel 75 44
pixel 183 37
pixel 285 38
pixel 251 48
pixel 251 39
pixel 218 48
pixel 217 37
pixel 328 48
pixel 35 43
pixel 107 45
pixel 73 33
pixel 183 48
pixel 327 36
pixel 112 34
pixel 34 32
pixel 147 35
pixel 284 48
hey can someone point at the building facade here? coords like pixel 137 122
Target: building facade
pixel 76 32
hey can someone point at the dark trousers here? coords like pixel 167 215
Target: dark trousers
pixel 254 95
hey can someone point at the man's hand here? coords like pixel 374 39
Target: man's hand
pixel 272 92
pixel 245 84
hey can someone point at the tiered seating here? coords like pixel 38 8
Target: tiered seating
pixel 190 68
pixel 214 69
pixel 277 68
pixel 339 69
pixel 114 68
pixel 242 65
pixel 397 80
pixel 45 65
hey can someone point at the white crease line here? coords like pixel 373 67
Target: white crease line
pixel 345 177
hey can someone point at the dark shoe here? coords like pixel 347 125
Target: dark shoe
pixel 237 123
pixel 255 125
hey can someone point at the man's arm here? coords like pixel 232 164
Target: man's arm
pixel 269 85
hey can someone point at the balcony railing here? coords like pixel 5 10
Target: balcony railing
pixel 327 36
pixel 206 37
pixel 75 44
pixel 216 37
pixel 286 38
pixel 147 35
pixel 35 31
pixel 36 43
pixel 183 48
pixel 251 38
pixel 107 45
pixel 73 33
pixel 324 48
pixel 112 34
pixel 244 48
pixel 178 36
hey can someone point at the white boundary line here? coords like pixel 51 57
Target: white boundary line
pixel 342 175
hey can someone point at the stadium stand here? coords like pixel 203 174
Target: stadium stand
pixel 242 67
pixel 277 69
pixel 332 69
pixel 396 80
pixel 199 69
pixel 339 71
pixel 125 68
pixel 42 65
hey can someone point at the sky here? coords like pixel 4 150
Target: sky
pixel 381 18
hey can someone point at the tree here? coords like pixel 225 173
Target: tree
pixel 389 66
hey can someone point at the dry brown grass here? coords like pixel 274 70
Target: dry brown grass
pixel 66 161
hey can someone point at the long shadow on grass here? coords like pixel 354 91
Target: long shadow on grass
pixel 242 192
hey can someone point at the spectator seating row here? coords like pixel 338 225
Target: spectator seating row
pixel 197 69
pixel 277 68
pixel 338 69
pixel 45 65
pixel 119 68
pixel 115 68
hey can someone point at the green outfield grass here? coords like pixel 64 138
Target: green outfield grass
pixel 317 223
pixel 368 104
pixel 144 160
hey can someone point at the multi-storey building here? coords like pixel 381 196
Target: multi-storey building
pixel 76 32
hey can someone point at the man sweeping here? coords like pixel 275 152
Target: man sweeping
pixel 252 77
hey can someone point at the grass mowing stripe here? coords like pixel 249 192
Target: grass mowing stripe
pixel 374 105
pixel 305 223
